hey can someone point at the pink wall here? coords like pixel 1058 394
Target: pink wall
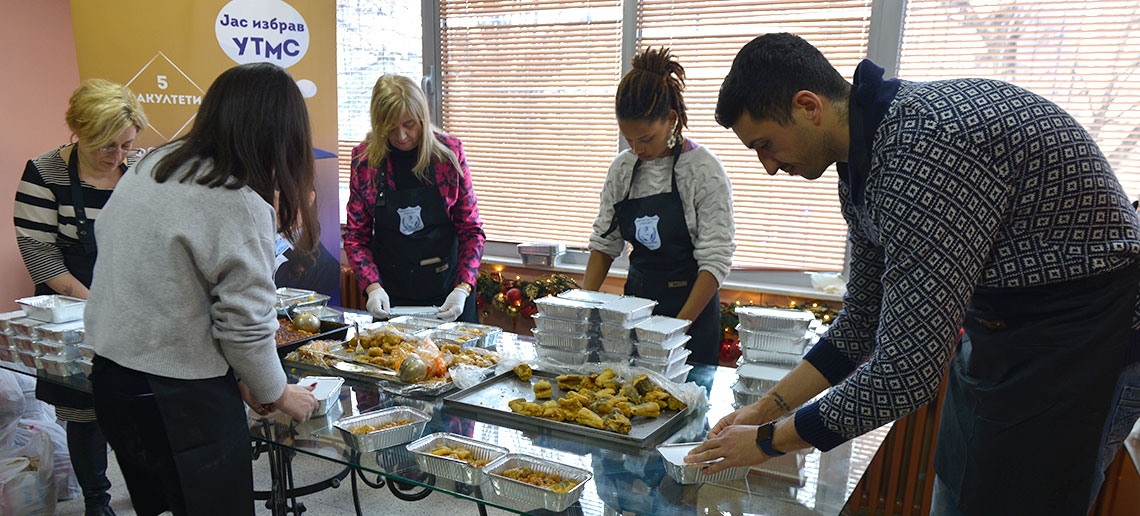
pixel 39 74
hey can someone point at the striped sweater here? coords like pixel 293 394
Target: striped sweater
pixel 45 214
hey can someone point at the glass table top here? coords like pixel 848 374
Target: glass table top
pixel 626 478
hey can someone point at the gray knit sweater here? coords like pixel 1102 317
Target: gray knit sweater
pixel 184 281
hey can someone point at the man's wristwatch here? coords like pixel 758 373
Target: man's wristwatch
pixel 764 435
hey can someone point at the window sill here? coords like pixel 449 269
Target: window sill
pixel 782 283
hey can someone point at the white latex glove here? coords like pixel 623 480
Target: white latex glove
pixel 452 307
pixel 378 304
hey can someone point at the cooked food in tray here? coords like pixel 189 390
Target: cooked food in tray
pixel 367 429
pixel 413 359
pixel 286 333
pixel 458 453
pixel 552 482
pixel 598 401
pixel 524 372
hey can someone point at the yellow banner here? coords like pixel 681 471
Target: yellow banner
pixel 169 52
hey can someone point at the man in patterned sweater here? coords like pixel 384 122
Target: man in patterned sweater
pixel 970 203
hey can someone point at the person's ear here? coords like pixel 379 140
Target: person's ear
pixel 809 106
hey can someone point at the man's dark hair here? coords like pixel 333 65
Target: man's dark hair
pixel 768 72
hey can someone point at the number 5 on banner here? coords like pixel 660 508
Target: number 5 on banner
pixel 162 82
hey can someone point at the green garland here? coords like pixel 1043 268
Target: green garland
pixel 517 296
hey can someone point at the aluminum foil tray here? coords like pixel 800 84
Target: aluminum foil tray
pixel 7 316
pixel 621 312
pixel 291 298
pixel 8 355
pixel 589 296
pixel 667 369
pixel 574 343
pixel 685 474
pixel 666 354
pixel 772 341
pixel 563 308
pixel 388 437
pixel 566 326
pixel 487 334
pixel 617 346
pixel 615 331
pixel 790 321
pixel 414 323
pixel 441 337
pixel 27 358
pixel 617 358
pixel 85 351
pixel 24 326
pixel 22 343
pixel 531 494
pixel 757 356
pixel 62 333
pixel 567 357
pixel 681 374
pixel 327 391
pixel 85 366
pixel 743 396
pixel 45 347
pixel 53 308
pixel 760 377
pixel 454 469
pixel 57 365
pixel 661 329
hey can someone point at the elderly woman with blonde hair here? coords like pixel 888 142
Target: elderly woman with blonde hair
pixel 413 235
pixel 60 194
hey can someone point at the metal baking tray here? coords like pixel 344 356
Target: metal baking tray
pixel 53 308
pixel 690 473
pixel 487 334
pixel 783 320
pixel 387 437
pixel 488 399
pixel 532 494
pixel 454 469
pixel 62 333
pixel 329 331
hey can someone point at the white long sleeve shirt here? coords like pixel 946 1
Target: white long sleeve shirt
pixel 705 195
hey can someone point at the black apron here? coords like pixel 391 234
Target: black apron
pixel 79 258
pixel 661 266
pixel 203 422
pixel 415 247
pixel 1028 392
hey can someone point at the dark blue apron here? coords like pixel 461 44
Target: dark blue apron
pixel 662 266
pixel 1028 392
pixel 415 247
pixel 79 258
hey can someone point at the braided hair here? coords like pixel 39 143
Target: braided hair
pixel 651 88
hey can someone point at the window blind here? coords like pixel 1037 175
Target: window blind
pixel 782 222
pixel 528 87
pixel 1080 54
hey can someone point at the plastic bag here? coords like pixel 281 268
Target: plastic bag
pixel 22 417
pixel 432 357
pixel 28 486
pixel 11 406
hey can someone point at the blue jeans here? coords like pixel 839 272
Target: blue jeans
pixel 1125 410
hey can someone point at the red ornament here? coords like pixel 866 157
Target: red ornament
pixel 729 350
pixel 514 297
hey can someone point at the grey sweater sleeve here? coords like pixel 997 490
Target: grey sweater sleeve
pixel 243 319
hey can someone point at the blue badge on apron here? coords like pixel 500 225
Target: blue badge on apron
pixel 410 220
pixel 647 232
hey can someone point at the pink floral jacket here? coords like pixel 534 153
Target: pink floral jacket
pixel 458 198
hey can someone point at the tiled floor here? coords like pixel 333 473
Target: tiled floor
pixel 330 502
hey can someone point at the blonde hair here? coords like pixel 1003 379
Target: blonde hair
pixel 392 97
pixel 100 110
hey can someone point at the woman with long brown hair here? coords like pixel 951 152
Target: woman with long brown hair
pixel 181 311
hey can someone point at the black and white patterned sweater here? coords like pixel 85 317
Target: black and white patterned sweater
pixel 971 182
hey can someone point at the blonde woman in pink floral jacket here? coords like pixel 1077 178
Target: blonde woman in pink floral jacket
pixel 413 235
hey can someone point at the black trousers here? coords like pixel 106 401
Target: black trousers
pixel 182 445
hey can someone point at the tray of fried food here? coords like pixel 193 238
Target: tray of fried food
pixel 598 401
pixel 415 359
pixel 454 457
pixel 538 482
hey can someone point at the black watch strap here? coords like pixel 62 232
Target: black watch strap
pixel 764 435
